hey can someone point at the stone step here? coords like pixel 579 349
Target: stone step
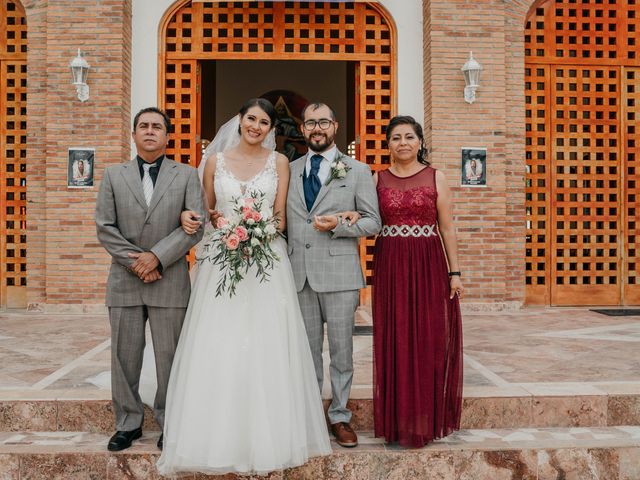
pixel 609 453
pixel 91 411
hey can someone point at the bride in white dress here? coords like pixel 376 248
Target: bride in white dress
pixel 243 395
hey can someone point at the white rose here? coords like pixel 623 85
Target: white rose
pixel 255 242
pixel 340 165
pixel 250 221
pixel 257 232
pixel 341 174
pixel 270 230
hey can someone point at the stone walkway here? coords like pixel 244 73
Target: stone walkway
pixel 537 351
pixel 548 394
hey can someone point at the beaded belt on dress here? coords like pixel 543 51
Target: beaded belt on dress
pixel 409 231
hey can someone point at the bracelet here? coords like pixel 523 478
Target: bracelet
pixel 451 274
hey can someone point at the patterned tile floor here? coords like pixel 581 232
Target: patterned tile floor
pixel 550 351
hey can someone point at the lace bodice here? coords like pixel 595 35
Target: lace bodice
pixel 408 200
pixel 228 188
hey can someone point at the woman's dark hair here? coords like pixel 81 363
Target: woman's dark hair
pixel 264 105
pixel 417 128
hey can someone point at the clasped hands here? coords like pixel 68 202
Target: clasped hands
pixel 145 266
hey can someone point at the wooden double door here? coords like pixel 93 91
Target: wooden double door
pixel 583 147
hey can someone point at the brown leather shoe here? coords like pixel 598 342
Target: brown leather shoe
pixel 345 436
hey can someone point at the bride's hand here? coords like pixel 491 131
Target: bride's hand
pixel 349 216
pixel 214 215
pixel 190 221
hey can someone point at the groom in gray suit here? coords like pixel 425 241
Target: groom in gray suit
pixel 324 254
pixel 138 222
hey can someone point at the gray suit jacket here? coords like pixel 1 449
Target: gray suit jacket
pixel 125 224
pixel 330 261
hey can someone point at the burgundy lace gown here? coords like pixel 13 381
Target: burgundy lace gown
pixel 417 330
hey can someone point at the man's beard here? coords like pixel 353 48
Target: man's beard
pixel 320 146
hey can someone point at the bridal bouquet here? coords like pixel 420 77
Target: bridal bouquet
pixel 241 241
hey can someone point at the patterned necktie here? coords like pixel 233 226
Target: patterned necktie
pixel 147 182
pixel 312 183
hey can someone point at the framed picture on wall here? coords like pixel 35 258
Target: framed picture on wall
pixel 80 167
pixel 474 167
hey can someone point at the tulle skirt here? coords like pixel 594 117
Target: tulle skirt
pixel 417 342
pixel 243 395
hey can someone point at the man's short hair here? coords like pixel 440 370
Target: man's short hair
pixel 317 105
pixel 162 113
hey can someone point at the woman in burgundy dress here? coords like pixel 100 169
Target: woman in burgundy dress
pixel 416 313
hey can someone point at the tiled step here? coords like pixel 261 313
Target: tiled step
pixel 609 453
pixel 67 411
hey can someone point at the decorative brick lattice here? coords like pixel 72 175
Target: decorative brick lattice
pixel 13 152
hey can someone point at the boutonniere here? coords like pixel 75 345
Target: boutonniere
pixel 339 169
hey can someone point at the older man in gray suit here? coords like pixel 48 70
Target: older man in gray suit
pixel 324 254
pixel 138 222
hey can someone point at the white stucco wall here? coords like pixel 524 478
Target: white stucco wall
pixel 407 15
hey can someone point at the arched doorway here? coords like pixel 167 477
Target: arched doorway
pixel 582 84
pixel 13 153
pixel 357 33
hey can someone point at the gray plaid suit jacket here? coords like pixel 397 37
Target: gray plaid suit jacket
pixel 125 224
pixel 330 261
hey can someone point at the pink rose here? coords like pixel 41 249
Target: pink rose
pixel 232 241
pixel 242 234
pixel 222 222
pixel 247 213
pixel 257 216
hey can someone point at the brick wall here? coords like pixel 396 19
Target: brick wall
pixel 67 268
pixel 66 265
pixel 490 221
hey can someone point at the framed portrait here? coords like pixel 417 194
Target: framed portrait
pixel 474 167
pixel 80 167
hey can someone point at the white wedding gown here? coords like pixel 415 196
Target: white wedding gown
pixel 243 395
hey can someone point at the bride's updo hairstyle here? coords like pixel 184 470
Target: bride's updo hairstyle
pixel 265 105
pixel 417 128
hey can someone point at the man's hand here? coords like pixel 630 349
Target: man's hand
pixel 144 263
pixel 190 221
pixel 325 223
pixel 152 277
pixel 349 216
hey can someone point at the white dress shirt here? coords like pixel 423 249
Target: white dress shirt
pixel 325 165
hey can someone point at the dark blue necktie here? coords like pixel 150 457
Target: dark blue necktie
pixel 311 182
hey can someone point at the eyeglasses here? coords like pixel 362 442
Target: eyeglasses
pixel 323 123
